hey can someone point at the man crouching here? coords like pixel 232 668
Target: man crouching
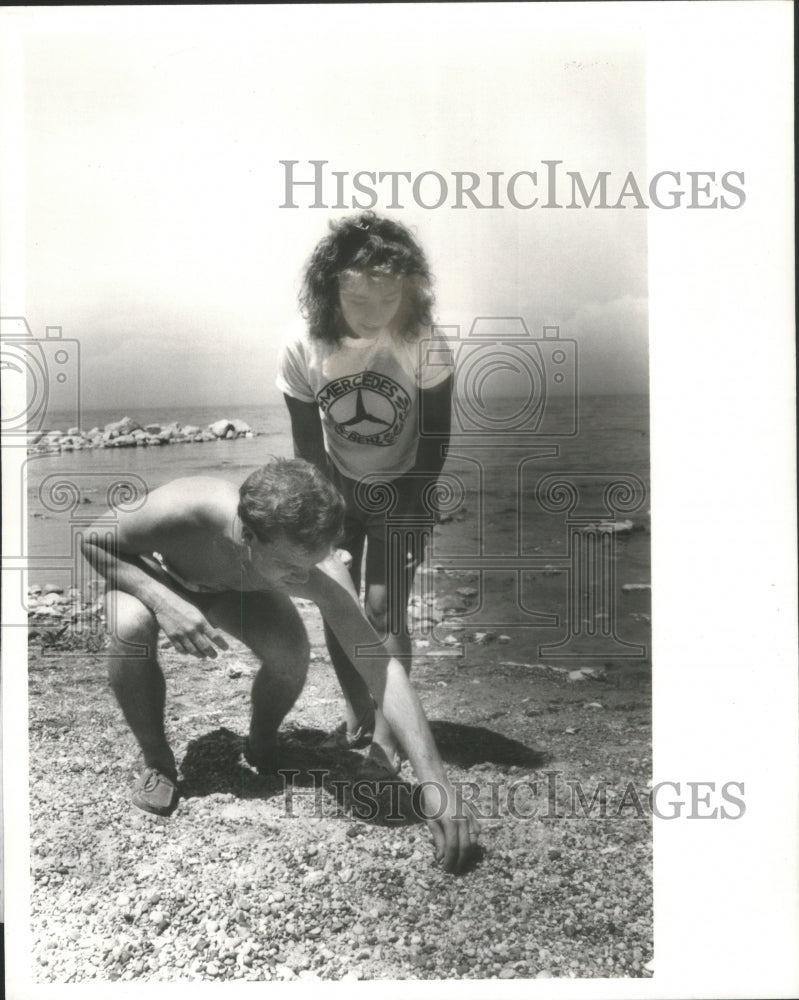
pixel 201 556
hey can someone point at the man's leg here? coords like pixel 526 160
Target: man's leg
pixel 136 678
pixel 272 628
pixel 138 683
pixel 389 581
pixel 359 705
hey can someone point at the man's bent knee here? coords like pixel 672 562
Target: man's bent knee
pixel 132 626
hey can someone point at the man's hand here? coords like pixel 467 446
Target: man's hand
pixel 188 628
pixel 453 825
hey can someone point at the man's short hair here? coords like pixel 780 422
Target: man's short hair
pixel 289 497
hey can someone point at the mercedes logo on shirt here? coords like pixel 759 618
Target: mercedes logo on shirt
pixel 367 408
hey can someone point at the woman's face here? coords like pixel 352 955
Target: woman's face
pixel 369 303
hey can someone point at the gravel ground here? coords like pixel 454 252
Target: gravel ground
pixel 253 880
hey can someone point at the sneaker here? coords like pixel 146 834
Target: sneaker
pixel 264 763
pixel 378 766
pixel 155 793
pixel 342 739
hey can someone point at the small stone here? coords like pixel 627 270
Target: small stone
pixel 345 874
pixel 507 973
pixel 466 592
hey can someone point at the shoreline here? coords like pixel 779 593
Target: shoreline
pixel 128 433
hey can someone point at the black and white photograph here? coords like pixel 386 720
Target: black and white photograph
pixel 399 499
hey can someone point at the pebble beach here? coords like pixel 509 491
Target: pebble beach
pixel 316 876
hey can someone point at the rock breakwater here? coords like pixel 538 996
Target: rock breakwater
pixel 127 433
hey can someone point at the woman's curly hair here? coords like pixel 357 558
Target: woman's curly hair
pixel 373 245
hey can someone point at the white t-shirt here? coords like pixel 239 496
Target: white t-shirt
pixel 366 391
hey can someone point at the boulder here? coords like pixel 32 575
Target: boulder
pixel 123 426
pixel 73 432
pixel 190 431
pixel 241 427
pixel 220 428
pixel 52 600
pixel 169 431
pixel 153 428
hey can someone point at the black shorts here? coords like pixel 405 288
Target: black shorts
pixel 388 513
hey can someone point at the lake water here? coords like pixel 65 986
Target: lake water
pixel 520 507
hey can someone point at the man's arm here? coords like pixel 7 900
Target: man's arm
pixel 306 431
pixel 111 549
pixel 454 828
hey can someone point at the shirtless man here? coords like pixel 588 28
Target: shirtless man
pixel 201 556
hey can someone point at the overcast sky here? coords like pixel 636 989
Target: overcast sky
pixel 154 232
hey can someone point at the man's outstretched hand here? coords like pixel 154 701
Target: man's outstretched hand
pixel 454 827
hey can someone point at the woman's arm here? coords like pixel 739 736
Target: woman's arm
pixel 435 422
pixel 306 431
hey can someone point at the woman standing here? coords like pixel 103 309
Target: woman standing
pixel 357 373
